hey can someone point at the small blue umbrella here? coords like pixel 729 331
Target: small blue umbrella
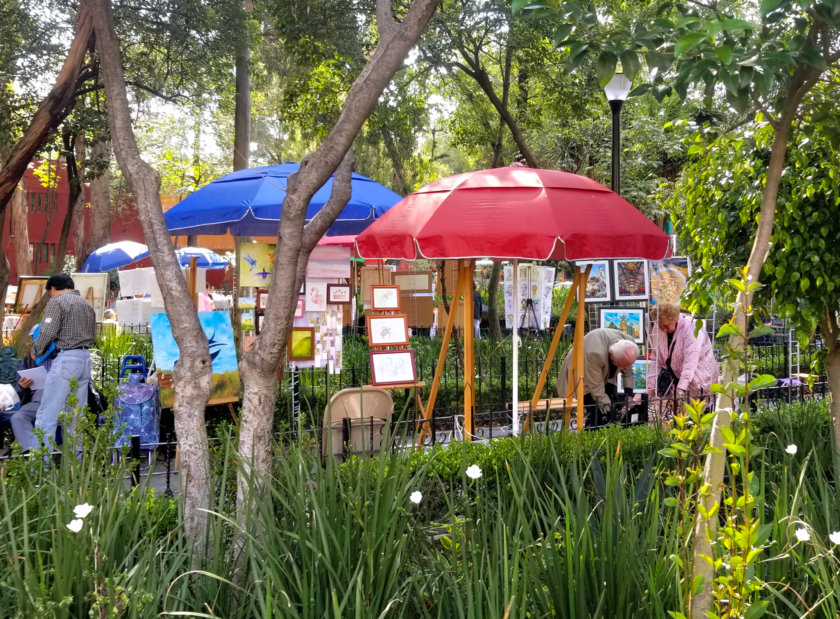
pixel 114 256
pixel 207 258
pixel 248 203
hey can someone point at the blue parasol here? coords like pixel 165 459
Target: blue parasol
pixel 207 258
pixel 248 203
pixel 114 256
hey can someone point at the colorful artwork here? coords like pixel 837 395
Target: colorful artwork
pixel 598 286
pixel 392 367
pixel 301 304
pixel 316 296
pixel 626 320
pixel 219 331
pixel 631 280
pixel 256 264
pixel 668 279
pixel 338 294
pixel 302 344
pixel 640 373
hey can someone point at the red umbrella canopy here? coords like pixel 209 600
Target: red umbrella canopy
pixel 513 213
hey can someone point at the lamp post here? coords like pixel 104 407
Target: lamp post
pixel 617 90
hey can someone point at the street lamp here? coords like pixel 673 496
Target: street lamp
pixel 617 90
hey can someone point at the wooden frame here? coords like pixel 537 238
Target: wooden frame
pixel 300 307
pixel 599 284
pixel 316 296
pixel 339 294
pixel 629 320
pixel 302 344
pixel 384 298
pixel 387 330
pixel 29 292
pixel 392 367
pixel 262 299
pixel 632 280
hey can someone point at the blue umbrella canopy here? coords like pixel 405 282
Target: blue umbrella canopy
pixel 207 258
pixel 114 256
pixel 248 203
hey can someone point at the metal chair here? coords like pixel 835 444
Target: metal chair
pixel 355 421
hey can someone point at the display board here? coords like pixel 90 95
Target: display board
pixel 94 288
pixel 536 284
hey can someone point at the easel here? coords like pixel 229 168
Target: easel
pixel 525 322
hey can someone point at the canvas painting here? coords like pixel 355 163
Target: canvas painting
pixel 30 290
pixel 631 280
pixel 219 331
pixel 316 296
pixel 389 330
pixel 626 320
pixel 302 344
pixel 598 286
pixel 392 367
pixel 256 264
pixel 668 279
pixel 338 294
pixel 385 298
pixel 640 373
pixel 94 289
pixel 301 304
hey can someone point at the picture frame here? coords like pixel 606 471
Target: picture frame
pixel 385 298
pixel 392 367
pixel 302 344
pixel 316 296
pixel 300 307
pixel 262 299
pixel 632 280
pixel 93 288
pixel 668 279
pixel 629 320
pixel 640 374
pixel 599 284
pixel 339 294
pixel 387 330
pixel 29 292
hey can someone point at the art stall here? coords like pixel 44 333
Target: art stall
pixel 140 296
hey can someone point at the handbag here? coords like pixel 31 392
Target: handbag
pixel 667 377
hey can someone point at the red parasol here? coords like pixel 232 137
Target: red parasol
pixel 513 213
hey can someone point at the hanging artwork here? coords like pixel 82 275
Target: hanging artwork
pixel 316 295
pixel 627 320
pixel 302 344
pixel 301 304
pixel 256 264
pixel 338 294
pixel 631 280
pixel 598 288
pixel 640 374
pixel 668 279
pixel 392 367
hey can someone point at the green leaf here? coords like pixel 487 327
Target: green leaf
pixel 812 56
pixel 768 6
pixel 658 60
pixel 688 42
pixel 728 434
pixel 577 52
pixel 697 585
pixel 761 382
pixel 735 24
pixel 761 331
pixel 671 502
pixel 605 67
pixel 518 5
pixel 757 609
pixel 724 52
pixel 562 33
pixel 631 64
pixel 728 329
pixel 762 534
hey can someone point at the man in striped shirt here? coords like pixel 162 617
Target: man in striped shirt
pixel 70 322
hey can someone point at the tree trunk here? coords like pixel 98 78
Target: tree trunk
pixel 803 79
pixel 262 363
pixel 19 227
pixel 492 304
pixel 403 187
pixel 79 205
pixel 99 224
pixel 242 111
pixel 831 333
pixel 193 371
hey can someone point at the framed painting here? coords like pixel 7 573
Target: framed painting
pixel 316 296
pixel 338 294
pixel 30 290
pixel 392 367
pixel 598 286
pixel 389 330
pixel 668 279
pixel 302 344
pixel 300 307
pixel 384 298
pixel 632 282
pixel 629 320
pixel 94 289
pixel 640 374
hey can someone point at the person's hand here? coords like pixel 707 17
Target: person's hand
pixel 25 382
pixel 681 394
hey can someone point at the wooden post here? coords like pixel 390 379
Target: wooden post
pixel 467 274
pixel 447 334
pixel 577 362
pixel 552 350
pixel 191 282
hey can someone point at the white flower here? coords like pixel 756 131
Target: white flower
pixel 81 511
pixel 791 449
pixel 834 537
pixel 76 525
pixel 416 497
pixel 803 535
pixel 474 471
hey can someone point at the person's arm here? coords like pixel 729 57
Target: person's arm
pixel 50 326
pixel 22 386
pixel 629 380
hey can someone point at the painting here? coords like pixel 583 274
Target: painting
pixel 640 373
pixel 219 331
pixel 302 344
pixel 301 305
pixel 338 294
pixel 316 296
pixel 390 330
pixel 668 279
pixel 627 320
pixel 384 298
pixel 392 367
pixel 256 265
pixel 30 290
pixel 632 282
pixel 94 288
pixel 598 287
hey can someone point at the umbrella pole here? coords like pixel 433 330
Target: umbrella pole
pixel 515 346
pixel 552 351
pixel 444 347
pixel 468 268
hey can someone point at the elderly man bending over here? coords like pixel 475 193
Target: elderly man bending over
pixel 606 352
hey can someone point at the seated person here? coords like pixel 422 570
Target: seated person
pixel 23 420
